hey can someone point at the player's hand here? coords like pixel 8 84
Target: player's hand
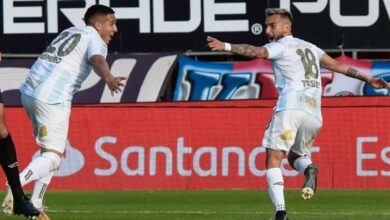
pixel 115 84
pixel 215 44
pixel 379 83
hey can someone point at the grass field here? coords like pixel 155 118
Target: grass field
pixel 215 205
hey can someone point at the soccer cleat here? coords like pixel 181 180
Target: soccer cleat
pixel 26 208
pixel 8 202
pixel 42 215
pixel 310 184
pixel 281 215
pixel 21 207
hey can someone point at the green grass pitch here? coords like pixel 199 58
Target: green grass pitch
pixel 214 204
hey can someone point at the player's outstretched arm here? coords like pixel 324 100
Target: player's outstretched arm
pixel 100 66
pixel 332 64
pixel 239 49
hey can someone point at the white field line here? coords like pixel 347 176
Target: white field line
pixel 387 213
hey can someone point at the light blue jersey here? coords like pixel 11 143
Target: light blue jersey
pixel 296 65
pixel 59 71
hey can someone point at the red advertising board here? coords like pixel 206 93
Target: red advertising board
pixel 210 145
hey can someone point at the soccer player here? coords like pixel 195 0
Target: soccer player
pixel 296 119
pixel 9 163
pixel 51 83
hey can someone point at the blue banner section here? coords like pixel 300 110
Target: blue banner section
pixel 379 69
pixel 198 80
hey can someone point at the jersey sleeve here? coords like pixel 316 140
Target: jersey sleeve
pixel 96 47
pixel 275 50
pixel 320 52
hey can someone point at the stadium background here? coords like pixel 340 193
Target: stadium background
pixel 193 119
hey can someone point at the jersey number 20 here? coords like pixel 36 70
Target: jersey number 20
pixel 64 44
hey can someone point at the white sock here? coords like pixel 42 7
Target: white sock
pixel 301 163
pixel 276 187
pixel 39 190
pixel 40 167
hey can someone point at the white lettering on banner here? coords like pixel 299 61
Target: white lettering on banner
pixel 212 171
pixel 212 9
pixel 140 169
pixel 370 156
pixel 143 13
pixel 335 11
pixel 74 15
pixel 181 150
pixel 305 7
pixel 10 13
pixel 205 160
pixel 52 24
pixel 104 155
pixel 252 161
pixel 356 20
pixel 385 159
pixel 225 160
pixel 153 160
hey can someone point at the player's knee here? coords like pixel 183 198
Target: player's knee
pixel 291 162
pixel 292 157
pixel 54 159
pixel 273 162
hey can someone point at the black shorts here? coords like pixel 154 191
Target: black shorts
pixel 1 98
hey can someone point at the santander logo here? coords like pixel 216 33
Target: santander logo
pixel 72 162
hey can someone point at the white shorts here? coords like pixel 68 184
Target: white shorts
pixel 293 130
pixel 50 122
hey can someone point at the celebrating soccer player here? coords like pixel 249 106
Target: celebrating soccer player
pixel 297 118
pixel 50 85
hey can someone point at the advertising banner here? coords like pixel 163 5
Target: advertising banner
pixel 29 26
pixel 210 145
pixel 161 77
pixel 148 77
pixel 200 80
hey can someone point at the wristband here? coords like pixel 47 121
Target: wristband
pixel 228 47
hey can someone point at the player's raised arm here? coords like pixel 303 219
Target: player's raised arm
pixel 332 64
pixel 101 68
pixel 239 49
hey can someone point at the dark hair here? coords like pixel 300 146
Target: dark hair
pixel 95 10
pixel 279 11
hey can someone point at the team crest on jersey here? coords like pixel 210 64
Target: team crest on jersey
pixel 287 135
pixel 42 131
